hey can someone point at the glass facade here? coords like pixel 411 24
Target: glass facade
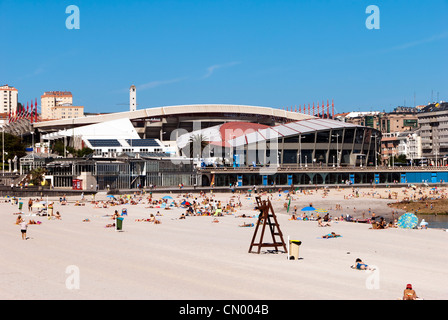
pixel 126 174
pixel 351 146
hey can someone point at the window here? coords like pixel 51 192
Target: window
pixel 348 136
pixel 290 156
pixel 294 139
pixel 323 137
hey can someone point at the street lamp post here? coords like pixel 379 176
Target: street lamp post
pixel 337 147
pixel 300 150
pixel 436 152
pixel 376 153
pixel 3 150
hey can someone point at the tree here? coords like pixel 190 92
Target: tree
pixel 13 146
pixel 400 159
pixel 195 146
pixel 79 152
pixel 37 175
pixel 58 147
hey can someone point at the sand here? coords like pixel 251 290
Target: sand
pixel 197 259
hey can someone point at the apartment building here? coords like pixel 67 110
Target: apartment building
pixel 59 105
pixel 8 99
pixel 433 120
pixel 402 119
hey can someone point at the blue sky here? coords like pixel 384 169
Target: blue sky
pixel 266 53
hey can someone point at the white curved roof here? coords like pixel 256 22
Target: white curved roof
pixel 177 110
pixel 290 129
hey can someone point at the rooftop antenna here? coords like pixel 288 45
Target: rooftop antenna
pixel 132 98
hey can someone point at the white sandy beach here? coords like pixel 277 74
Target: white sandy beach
pixel 198 259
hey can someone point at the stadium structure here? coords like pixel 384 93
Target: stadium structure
pixel 156 146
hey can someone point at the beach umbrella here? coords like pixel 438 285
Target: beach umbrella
pixel 110 196
pixel 407 221
pixel 308 209
pixel 167 197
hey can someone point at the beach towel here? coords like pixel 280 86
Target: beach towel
pixel 247 225
pixel 329 237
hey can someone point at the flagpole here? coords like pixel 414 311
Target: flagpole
pixel 3 150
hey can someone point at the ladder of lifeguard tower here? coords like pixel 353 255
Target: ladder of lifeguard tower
pixel 264 219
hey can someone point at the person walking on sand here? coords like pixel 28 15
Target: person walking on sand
pixel 23 228
pixel 30 204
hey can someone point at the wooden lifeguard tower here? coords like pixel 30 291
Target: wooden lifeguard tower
pixel 268 218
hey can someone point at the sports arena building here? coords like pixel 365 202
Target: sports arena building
pixel 236 137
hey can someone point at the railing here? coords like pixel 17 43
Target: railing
pixel 321 168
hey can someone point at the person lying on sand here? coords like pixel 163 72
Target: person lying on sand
pixel 361 265
pixel 246 225
pixel 331 235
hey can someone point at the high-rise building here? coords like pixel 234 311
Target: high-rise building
pixel 8 99
pixel 433 120
pixel 59 105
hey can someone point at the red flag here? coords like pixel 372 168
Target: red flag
pixel 35 111
pixel 332 108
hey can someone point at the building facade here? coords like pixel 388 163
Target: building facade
pixel 59 105
pixel 433 122
pixel 402 119
pixel 8 99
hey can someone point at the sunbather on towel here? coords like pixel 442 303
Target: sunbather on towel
pixel 331 235
pixel 361 265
